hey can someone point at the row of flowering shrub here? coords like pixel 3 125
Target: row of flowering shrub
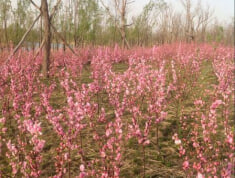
pixel 86 128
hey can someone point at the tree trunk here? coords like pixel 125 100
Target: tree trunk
pixel 5 30
pixel 75 22
pixel 123 24
pixel 40 40
pixel 47 37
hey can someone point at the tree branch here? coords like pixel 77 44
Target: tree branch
pixel 54 9
pixel 117 4
pixel 119 28
pixel 40 48
pixel 35 5
pixel 62 38
pixel 107 9
pixel 23 38
pixel 37 53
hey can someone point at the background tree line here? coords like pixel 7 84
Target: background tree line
pixel 107 22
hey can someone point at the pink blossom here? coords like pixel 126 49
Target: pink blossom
pixel 3 120
pixel 230 139
pixel 199 175
pixel 185 164
pixel 102 154
pixel 177 141
pixel 108 132
pixel 82 168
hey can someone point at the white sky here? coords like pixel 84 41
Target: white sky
pixel 223 9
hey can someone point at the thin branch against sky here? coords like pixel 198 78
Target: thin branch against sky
pixel 223 9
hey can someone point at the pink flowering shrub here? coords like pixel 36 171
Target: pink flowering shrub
pixel 91 120
pixel 207 145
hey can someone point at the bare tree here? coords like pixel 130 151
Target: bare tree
pixel 47 33
pixel 5 6
pixel 189 27
pixel 176 25
pixel 47 37
pixel 121 9
pixel 46 43
pixel 197 20
pixel 75 21
pixel 204 18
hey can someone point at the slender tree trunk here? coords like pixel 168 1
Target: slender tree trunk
pixel 57 43
pixel 64 45
pixel 123 24
pixel 47 36
pixel 75 22
pixel 40 31
pixel 0 44
pixel 5 30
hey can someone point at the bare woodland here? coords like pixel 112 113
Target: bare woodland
pixel 77 23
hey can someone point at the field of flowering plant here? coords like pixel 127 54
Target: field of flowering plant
pixel 145 112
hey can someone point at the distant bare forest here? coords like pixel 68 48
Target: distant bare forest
pixel 100 22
